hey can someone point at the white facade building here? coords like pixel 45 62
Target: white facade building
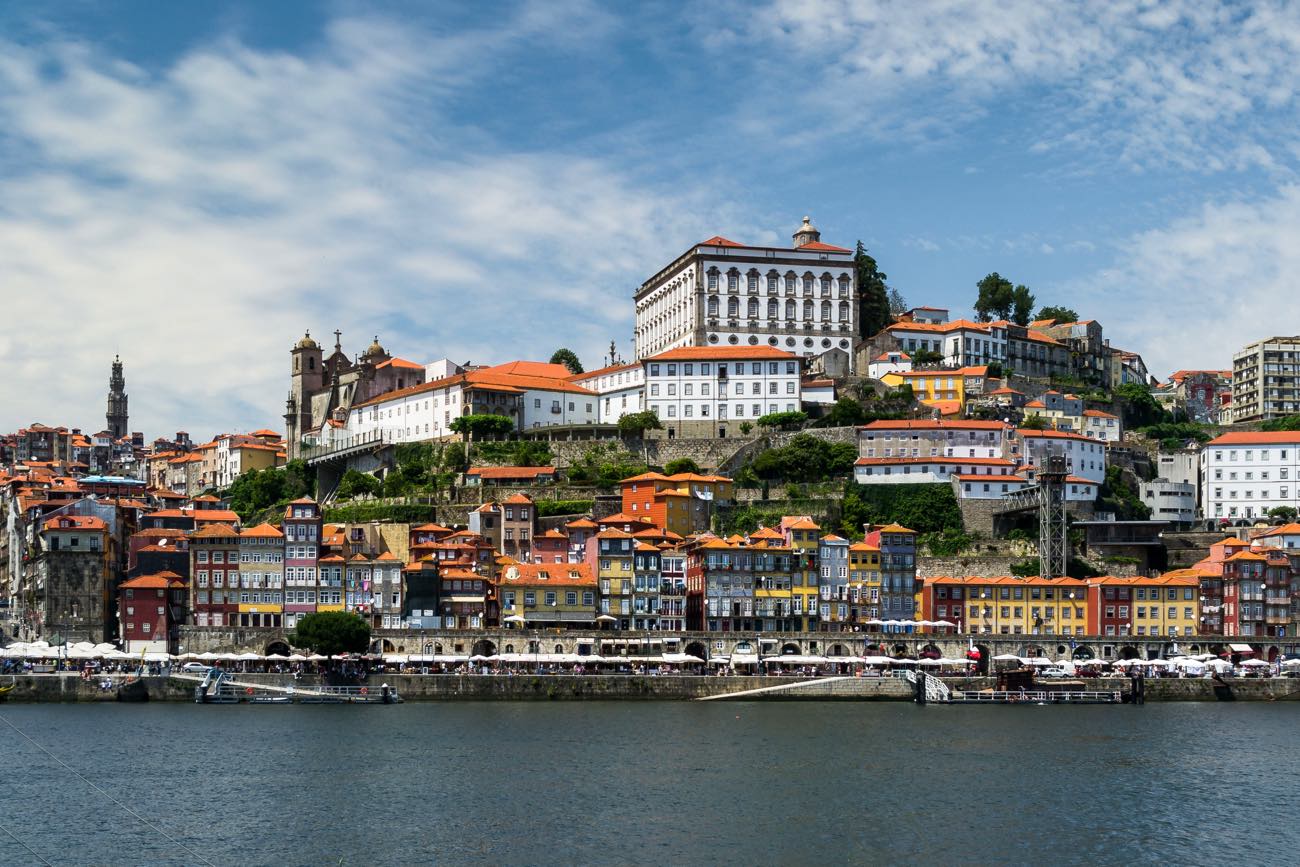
pixel 802 299
pixel 1169 500
pixel 1085 457
pixel 1245 474
pixel 620 387
pixel 895 361
pixel 962 343
pixel 722 384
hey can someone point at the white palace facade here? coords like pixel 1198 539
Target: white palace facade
pixel 801 299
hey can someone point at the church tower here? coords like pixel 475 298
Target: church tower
pixel 806 234
pixel 116 416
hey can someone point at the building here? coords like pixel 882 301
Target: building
pixel 261 576
pixel 302 555
pixel 960 343
pixel 802 298
pixel 532 393
pixel 619 387
pixel 894 361
pixel 69 596
pixel 1202 394
pixel 682 503
pixel 615 549
pixel 944 390
pixel 510 475
pixel 214 567
pixel 150 611
pixel 116 418
pixel 898 586
pixel 1245 474
pixel 1085 457
pixel 509 526
pixel 323 389
pixel 700 390
pixel 833 584
pixel 925 450
pixel 236 454
pixel 543 595
pixel 1170 501
pixel 1266 380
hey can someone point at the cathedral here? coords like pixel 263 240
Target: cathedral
pixel 322 388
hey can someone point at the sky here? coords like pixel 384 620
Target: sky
pixel 191 186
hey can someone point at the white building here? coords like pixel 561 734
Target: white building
pixel 895 361
pixel 620 387
pixel 919 470
pixel 1085 457
pixel 1244 474
pixel 1169 500
pixel 534 394
pixel 714 386
pixel 962 343
pixel 802 299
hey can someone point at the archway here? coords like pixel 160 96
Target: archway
pixel 900 650
pixel 931 651
pixel 985 660
pixel 1128 651
pixel 483 647
pixel 510 648
pixel 388 647
pixel 1032 650
pixel 697 649
pixel 1272 654
pixel 559 648
pixel 790 649
pixel 277 648
pixel 1082 653
pixel 838 650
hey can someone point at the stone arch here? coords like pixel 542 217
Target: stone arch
pixel 559 648
pixel 697 649
pixel 985 660
pixel 837 650
pixel 899 650
pixel 1128 651
pixel 790 648
pixel 1273 654
pixel 931 650
pixel 1032 650
pixel 386 646
pixel 277 648
pixel 1082 653
pixel 484 647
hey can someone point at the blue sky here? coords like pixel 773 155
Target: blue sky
pixel 192 185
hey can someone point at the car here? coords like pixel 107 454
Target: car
pixel 195 668
pixel 1054 671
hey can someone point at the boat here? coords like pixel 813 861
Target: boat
pixel 5 690
pixel 1013 686
pixel 219 687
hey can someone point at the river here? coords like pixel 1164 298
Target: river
pixel 648 783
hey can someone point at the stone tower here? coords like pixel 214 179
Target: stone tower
pixel 806 234
pixel 116 416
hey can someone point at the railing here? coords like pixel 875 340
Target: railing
pixel 360 441
pixel 1019 696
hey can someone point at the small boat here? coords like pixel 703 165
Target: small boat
pixel 5 690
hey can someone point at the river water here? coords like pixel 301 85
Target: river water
pixel 649 783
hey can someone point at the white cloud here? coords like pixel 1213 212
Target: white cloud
pixel 1190 294
pixel 1183 83
pixel 198 218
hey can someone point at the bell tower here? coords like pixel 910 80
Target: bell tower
pixel 116 417
pixel 806 234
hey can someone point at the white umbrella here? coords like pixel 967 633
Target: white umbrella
pixel 1291 663
pixel 296 657
pixel 605 618
pixel 1254 663
pixel 1006 657
pixel 681 658
pixel 1037 660
pixel 903 661
pixel 515 618
pixel 876 660
pixel 928 662
pixel 316 657
pixel 1218 664
pixel 944 623
pixel 248 657
pixel 401 657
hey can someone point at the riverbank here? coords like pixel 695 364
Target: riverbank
pixel 56 688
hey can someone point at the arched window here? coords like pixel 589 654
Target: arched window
pixel 771 282
pixel 826 311
pixel 826 285
pixel 844 286
pixel 771 308
pixel 789 309
pixel 807 311
pixel 713 305
pixel 713 279
pixel 733 307
pixel 790 281
pixel 752 281
pixel 733 280
pixel 808 283
pixel 844 311
pixel 753 307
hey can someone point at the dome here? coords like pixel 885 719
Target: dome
pixel 376 349
pixel 307 342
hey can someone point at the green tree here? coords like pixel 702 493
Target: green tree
pixel 874 314
pixel 1022 304
pixel 568 358
pixel 1034 422
pixel 926 357
pixel 783 420
pixel 635 424
pixel 846 412
pixel 357 484
pixel 1287 514
pixel 996 298
pixel 1116 495
pixel 1290 422
pixel 483 425
pixel 805 459
pixel 1060 314
pixel 331 632
pixel 257 490
pixel 925 508
pixel 1138 406
pixel 681 465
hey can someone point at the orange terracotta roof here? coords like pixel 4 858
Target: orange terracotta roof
pixel 1096 413
pixel 157 581
pixel 509 472
pixel 895 528
pixel 399 362
pixel 900 356
pixel 1256 438
pixel 1053 434
pixel 942 327
pixel 550 574
pixel 818 245
pixel 719 241
pixel 581 524
pixel 214 531
pixel 74 522
pixel 613 368
pixel 519 500
pixel 804 524
pixel 930 424
pixel 262 531
pixel 724 353
pixel 208 515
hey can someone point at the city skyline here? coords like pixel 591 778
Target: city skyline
pixel 197 187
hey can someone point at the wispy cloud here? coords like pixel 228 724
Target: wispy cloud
pixel 198 218
pixel 1148 84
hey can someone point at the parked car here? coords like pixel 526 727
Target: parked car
pixel 1054 671
pixel 195 668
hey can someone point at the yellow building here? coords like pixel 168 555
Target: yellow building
pixel 943 389
pixel 1167 606
pixel 1008 605
pixel 615 550
pixel 261 576
pixel 864 582
pixel 803 535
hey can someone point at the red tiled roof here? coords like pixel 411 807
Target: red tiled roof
pixel 1256 438
pixel 510 472
pixel 719 241
pixel 725 353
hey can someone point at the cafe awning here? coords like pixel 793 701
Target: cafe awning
pixel 1241 648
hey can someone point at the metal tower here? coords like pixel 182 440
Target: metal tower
pixel 1053 542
